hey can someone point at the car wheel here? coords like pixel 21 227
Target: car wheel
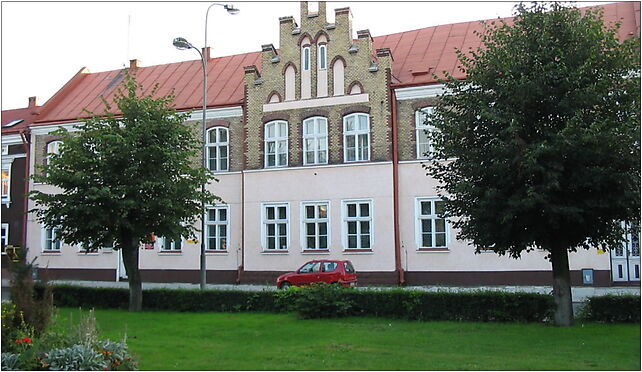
pixel 285 285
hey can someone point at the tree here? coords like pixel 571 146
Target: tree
pixel 124 177
pixel 540 146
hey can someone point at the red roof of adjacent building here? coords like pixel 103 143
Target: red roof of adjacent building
pixel 416 55
pixel 18 119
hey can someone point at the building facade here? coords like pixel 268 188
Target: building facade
pixel 317 147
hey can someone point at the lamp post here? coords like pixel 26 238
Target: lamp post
pixel 182 44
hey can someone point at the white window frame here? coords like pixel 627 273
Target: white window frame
pixel 306 58
pixel 53 147
pixel 6 194
pixel 345 220
pixel 54 239
pixel 317 137
pixel 5 236
pixel 420 128
pixel 323 57
pixel 216 224
pixel 5 149
pixel 433 217
pixel 357 134
pixel 172 249
pixel 277 139
pixel 265 221
pixel 315 220
pixel 217 145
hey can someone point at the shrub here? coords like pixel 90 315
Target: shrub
pixel 75 358
pixel 323 301
pixel 612 308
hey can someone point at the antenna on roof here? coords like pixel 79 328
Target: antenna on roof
pixel 129 21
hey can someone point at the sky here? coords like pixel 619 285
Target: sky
pixel 44 44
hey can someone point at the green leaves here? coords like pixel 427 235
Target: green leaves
pixel 544 132
pixel 133 173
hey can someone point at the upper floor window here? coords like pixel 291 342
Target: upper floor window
pixel 53 147
pixel 315 140
pixel 276 143
pixel 218 149
pixel 356 137
pixel 323 57
pixel 423 129
pixel 6 181
pixel 431 227
pixel 305 58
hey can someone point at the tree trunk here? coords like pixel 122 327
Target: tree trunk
pixel 130 259
pixel 562 287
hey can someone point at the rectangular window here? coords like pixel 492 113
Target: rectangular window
pixel 6 182
pixel 275 227
pixel 357 224
pixel 217 221
pixel 51 242
pixel 217 149
pixel 5 236
pixel 315 226
pixel 356 137
pixel 170 245
pixel 315 141
pixel 423 129
pixel 432 227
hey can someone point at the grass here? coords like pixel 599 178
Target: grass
pixel 255 341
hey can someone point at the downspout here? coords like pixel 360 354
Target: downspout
pixel 240 268
pixel 25 136
pixel 395 186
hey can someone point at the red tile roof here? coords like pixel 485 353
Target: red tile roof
pixel 417 55
pixel 25 114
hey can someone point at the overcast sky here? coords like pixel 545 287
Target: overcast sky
pixel 44 44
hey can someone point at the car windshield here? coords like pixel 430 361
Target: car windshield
pixel 311 267
pixel 329 266
pixel 349 267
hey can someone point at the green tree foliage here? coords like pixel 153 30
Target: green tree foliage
pixel 122 177
pixel 543 138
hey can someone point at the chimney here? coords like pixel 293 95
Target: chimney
pixel 33 102
pixel 207 52
pixel 134 63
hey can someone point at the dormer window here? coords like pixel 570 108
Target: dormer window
pixel 323 57
pixel 305 56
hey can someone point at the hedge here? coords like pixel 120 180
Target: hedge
pixel 395 303
pixel 613 308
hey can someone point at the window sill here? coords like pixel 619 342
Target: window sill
pixel 358 251
pixel 52 253
pixel 215 252
pixel 433 250
pixel 315 251
pixel 82 253
pixel 355 161
pixel 170 253
pixel 277 252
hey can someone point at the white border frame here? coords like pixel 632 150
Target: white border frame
pixel 316 138
pixel 204 236
pixel 276 147
pixel 302 234
pixel 418 246
pixel 287 226
pixel 344 225
pixel 356 133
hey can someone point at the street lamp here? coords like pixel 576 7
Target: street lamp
pixel 182 44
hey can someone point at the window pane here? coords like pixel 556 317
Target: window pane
pixel 323 242
pixel 270 213
pixel 439 208
pixel 282 229
pixel 270 131
pixel 223 242
pixel 426 226
pixel 311 242
pixel 440 240
pixel 365 227
pixel 222 135
pixel 309 144
pixel 222 214
pixel 426 208
pixel 365 241
pixel 223 165
pixel 351 155
pixel 323 158
pixel 308 127
pixel 310 229
pixel 363 122
pixel 323 126
pixel 283 243
pixel 282 129
pixel 211 231
pixel 364 209
pixel 271 159
pixel 323 228
pixel 352 241
pixel 440 225
pixel 282 215
pixel 349 123
pixel 322 143
pixel 211 136
pixel 222 231
pixel 271 243
pixel 352 210
pixel 426 240
pixel 211 214
pixel 309 211
pixel 323 211
pixel 211 243
pixel 282 159
pixel 271 146
pixel 309 157
pixel 271 229
pixel 352 227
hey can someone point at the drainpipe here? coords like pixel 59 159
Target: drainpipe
pixel 395 186
pixel 240 267
pixel 25 136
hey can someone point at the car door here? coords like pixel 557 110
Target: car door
pixel 330 272
pixel 309 273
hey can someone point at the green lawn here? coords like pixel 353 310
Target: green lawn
pixel 250 341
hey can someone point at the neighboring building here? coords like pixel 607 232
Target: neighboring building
pixel 15 145
pixel 318 148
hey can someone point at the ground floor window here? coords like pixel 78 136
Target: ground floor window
pixel 432 227
pixel 51 242
pixel 275 227
pixel 216 221
pixel 170 245
pixel 357 224
pixel 315 225
pixel 5 236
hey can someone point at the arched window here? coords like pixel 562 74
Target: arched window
pixel 305 58
pixel 217 149
pixel 323 56
pixel 306 68
pixel 338 85
pixel 276 143
pixel 423 129
pixel 290 78
pixel 315 140
pixel 53 147
pixel 356 137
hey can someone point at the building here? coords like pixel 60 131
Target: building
pixel 318 148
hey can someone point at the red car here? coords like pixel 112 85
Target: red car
pixel 320 271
